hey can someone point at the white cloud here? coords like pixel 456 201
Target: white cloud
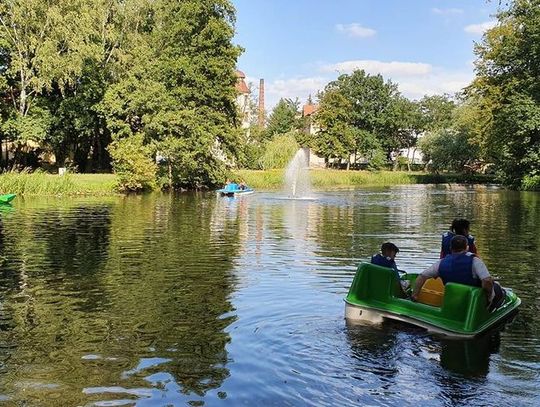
pixel 446 11
pixel 414 79
pixel 355 30
pixel 414 83
pixel 438 82
pixel 480 28
pixel 293 88
pixel 380 67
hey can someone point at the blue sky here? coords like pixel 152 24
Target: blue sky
pixel 298 46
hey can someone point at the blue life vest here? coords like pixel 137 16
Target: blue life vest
pixel 380 260
pixel 383 261
pixel 446 243
pixel 231 187
pixel 457 268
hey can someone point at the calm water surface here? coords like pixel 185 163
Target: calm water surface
pixel 197 300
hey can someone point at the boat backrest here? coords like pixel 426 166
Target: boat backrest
pixel 432 292
pixel 464 303
pixel 373 282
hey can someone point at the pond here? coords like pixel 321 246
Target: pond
pixel 193 299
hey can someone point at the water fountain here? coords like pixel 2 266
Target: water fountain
pixel 297 182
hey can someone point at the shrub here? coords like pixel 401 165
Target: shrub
pixel 449 150
pixel 377 161
pixel 133 164
pixel 279 151
pixel 531 183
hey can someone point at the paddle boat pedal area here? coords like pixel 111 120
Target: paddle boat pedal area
pixel 375 295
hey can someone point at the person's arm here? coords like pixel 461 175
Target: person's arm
pixel 480 270
pixel 487 286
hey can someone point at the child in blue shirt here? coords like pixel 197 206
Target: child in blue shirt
pixel 387 258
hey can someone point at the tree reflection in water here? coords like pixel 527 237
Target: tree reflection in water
pixel 133 294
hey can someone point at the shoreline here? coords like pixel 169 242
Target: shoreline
pixel 43 184
pixel 328 178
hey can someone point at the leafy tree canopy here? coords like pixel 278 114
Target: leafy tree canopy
pixel 179 91
pixel 507 90
pixel 436 112
pixel 284 117
pixel 361 112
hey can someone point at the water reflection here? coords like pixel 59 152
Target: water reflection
pixel 123 294
pixel 470 357
pixel 374 350
pixel 187 298
pixel 393 359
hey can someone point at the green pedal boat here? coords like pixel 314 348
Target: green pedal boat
pixel 375 295
pixel 6 198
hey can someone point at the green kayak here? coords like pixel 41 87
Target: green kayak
pixel 6 198
pixel 375 295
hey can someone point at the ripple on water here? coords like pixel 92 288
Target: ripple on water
pixel 189 299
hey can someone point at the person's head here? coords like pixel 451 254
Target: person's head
pixel 458 244
pixel 389 250
pixel 460 227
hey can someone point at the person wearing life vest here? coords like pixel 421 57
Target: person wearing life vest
pixel 463 267
pixel 230 186
pixel 458 227
pixel 387 258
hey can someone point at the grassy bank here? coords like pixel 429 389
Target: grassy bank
pixel 273 179
pixel 51 184
pixel 103 184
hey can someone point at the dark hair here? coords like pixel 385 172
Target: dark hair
pixel 459 225
pixel 387 247
pixel 458 243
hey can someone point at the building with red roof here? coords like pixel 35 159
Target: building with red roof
pixel 243 99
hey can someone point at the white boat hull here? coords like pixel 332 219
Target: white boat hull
pixel 356 314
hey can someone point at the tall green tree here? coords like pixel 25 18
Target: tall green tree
pixel 507 87
pixel 449 150
pixel 45 44
pixel 436 112
pixel 404 128
pixel 363 111
pixel 284 117
pixel 336 137
pixel 79 132
pixel 178 91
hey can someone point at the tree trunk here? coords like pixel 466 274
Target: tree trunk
pixel 80 158
pixel 60 156
pixel 396 163
pixel 413 154
pixel 169 166
pixel 22 95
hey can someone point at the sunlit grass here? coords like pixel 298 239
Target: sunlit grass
pixel 40 183
pixel 326 178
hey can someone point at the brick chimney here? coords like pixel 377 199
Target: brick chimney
pixel 261 103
